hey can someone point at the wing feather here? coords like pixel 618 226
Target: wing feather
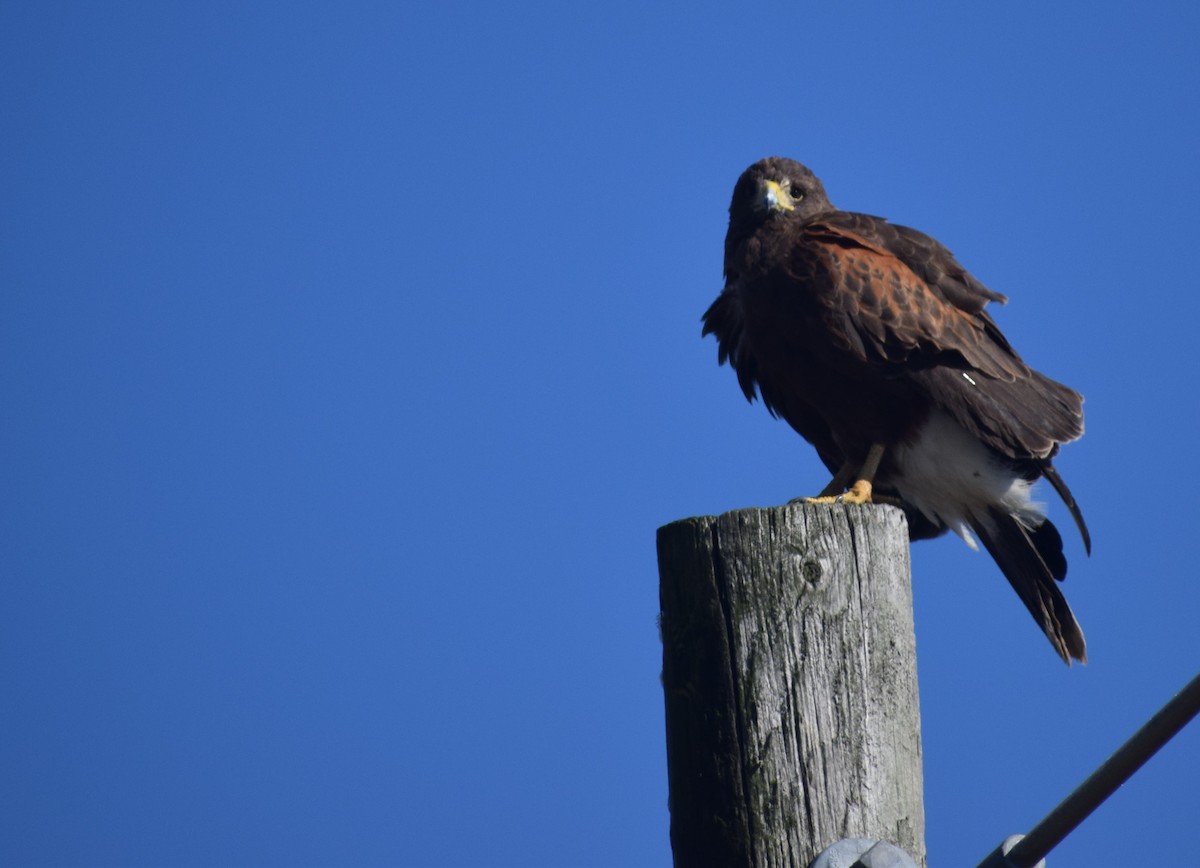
pixel 903 300
pixel 894 314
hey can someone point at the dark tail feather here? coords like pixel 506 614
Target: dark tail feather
pixel 1031 560
pixel 1051 474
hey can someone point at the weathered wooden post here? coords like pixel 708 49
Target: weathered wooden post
pixel 789 669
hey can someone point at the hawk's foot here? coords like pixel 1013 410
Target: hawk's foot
pixel 859 492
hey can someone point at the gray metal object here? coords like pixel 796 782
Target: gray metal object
pixel 863 853
pixel 1029 851
pixel 998 858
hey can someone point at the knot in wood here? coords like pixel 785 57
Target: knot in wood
pixel 812 572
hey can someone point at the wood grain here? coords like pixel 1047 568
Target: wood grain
pixel 789 672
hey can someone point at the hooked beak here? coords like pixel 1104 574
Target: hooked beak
pixel 772 197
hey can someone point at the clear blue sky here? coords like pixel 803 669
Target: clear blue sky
pixel 350 357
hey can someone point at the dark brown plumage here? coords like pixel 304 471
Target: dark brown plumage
pixel 873 343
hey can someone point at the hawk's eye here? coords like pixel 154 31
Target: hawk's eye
pixel 796 191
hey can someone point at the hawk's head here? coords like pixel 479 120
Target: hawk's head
pixel 772 188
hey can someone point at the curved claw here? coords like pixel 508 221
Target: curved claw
pixel 860 492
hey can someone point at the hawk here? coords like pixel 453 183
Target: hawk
pixel 873 343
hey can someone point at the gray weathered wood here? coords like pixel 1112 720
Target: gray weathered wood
pixel 789 671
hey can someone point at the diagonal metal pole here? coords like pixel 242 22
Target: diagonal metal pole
pixel 1103 782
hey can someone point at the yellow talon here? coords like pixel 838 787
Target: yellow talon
pixel 823 499
pixel 860 492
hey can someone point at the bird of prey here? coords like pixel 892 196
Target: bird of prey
pixel 873 343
